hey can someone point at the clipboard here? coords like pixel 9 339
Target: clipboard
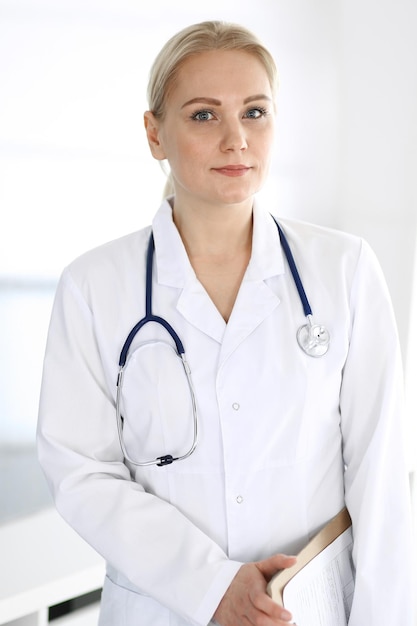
pixel 333 529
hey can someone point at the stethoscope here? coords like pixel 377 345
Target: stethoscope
pixel 313 339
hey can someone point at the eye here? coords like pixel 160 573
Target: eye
pixel 202 116
pixel 256 113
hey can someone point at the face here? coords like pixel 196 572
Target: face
pixel 218 129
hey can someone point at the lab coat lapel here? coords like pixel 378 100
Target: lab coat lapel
pixel 198 309
pixel 174 270
pixel 256 299
pixel 255 302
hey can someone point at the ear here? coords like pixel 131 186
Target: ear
pixel 152 126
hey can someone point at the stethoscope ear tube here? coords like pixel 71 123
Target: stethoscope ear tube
pixel 166 459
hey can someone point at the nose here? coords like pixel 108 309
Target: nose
pixel 234 137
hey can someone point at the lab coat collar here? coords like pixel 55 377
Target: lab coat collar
pixel 174 268
pixel 255 300
pixel 267 258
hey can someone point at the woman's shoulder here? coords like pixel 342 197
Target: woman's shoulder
pixel 308 230
pixel 112 257
pixel 323 240
pixel 330 249
pixel 126 251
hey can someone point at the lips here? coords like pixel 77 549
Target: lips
pixel 232 170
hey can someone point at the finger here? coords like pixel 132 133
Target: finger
pixel 264 604
pixel 269 567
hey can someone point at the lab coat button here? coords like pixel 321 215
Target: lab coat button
pixel 239 499
pixel 236 406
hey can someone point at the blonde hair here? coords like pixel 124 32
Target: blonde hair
pixel 202 37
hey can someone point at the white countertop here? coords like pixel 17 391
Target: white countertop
pixel 44 562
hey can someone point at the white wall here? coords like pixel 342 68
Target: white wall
pixel 378 157
pixel 74 75
pixel 378 191
pixel 75 164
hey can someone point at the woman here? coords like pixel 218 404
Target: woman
pixel 277 442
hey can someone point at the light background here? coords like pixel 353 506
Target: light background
pixel 75 169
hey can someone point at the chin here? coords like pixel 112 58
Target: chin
pixel 237 197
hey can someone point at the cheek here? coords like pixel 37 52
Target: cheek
pixel 189 153
pixel 265 146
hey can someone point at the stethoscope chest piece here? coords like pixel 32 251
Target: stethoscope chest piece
pixel 313 339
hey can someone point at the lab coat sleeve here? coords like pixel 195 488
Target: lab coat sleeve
pixel 143 537
pixel 376 481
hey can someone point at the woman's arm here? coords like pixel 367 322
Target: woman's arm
pixel 376 481
pixel 146 539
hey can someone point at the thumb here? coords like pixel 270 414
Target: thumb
pixel 270 566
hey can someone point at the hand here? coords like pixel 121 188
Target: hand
pixel 246 601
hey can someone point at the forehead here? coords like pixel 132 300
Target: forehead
pixel 221 74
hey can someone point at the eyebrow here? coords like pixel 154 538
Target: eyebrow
pixel 215 102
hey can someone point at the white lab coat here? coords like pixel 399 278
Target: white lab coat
pixel 284 439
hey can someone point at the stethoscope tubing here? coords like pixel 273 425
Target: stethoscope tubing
pixel 294 271
pixel 313 340
pixel 165 459
pixel 149 317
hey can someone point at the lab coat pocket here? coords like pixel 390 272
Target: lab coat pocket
pixel 156 403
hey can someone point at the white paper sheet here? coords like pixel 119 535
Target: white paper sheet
pixel 321 593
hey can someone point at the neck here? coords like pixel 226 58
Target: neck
pixel 215 231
